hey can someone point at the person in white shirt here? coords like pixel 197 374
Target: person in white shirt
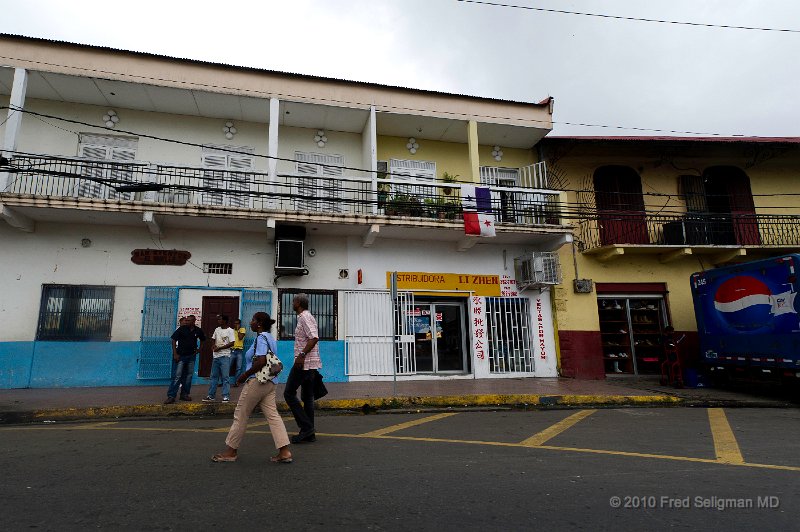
pixel 224 338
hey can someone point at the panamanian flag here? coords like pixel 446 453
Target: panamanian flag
pixel 477 205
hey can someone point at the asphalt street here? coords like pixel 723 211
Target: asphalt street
pixel 615 469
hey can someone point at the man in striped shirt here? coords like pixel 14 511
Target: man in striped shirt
pixel 306 363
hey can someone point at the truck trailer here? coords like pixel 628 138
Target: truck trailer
pixel 748 320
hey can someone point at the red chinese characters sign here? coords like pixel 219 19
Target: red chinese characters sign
pixel 478 326
pixel 159 257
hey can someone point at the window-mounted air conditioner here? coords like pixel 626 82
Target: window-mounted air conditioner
pixel 537 269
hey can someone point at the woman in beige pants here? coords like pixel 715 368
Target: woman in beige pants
pixel 257 393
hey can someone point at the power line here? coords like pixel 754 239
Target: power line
pixel 233 151
pixel 635 19
pixel 386 106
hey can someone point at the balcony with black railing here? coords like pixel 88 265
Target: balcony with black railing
pixel 143 183
pixel 603 231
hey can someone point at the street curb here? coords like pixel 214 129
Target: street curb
pixel 364 405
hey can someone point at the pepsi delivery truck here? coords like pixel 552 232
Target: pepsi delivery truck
pixel 747 319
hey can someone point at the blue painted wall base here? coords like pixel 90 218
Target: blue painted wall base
pixel 89 364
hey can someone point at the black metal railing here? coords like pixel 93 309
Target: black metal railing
pixel 336 194
pixel 694 229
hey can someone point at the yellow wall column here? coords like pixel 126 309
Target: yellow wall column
pixel 472 145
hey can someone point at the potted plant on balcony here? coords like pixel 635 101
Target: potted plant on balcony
pixel 404 205
pixel 449 178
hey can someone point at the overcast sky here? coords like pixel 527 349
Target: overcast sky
pixel 620 74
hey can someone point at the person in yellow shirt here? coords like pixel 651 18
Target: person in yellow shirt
pixel 237 353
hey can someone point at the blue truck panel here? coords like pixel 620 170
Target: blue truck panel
pixel 747 315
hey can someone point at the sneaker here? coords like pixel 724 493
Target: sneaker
pixel 208 399
pixel 226 399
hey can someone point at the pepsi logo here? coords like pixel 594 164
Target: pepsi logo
pixel 744 302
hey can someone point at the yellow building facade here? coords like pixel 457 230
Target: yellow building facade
pixel 647 213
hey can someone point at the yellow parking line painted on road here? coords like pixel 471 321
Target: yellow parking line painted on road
pixel 401 426
pixel 725 445
pixel 569 449
pixel 100 424
pixel 369 435
pixel 554 430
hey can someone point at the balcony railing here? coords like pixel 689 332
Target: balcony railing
pixel 694 229
pixel 101 179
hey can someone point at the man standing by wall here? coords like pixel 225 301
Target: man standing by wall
pixel 224 338
pixel 237 351
pixel 186 342
pixel 306 363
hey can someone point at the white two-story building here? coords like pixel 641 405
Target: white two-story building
pixel 136 189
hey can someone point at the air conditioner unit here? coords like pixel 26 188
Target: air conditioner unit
pixel 537 269
pixel 289 257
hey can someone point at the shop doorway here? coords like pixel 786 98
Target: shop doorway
pixel 212 307
pixel 439 340
pixel 631 331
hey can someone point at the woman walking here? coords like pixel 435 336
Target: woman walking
pixel 257 393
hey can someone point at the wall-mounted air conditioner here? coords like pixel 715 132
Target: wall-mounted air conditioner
pixel 537 269
pixel 289 247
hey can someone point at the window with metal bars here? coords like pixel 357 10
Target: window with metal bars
pixel 221 268
pixel 322 304
pixel 76 312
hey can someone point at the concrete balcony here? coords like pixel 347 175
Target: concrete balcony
pixel 721 237
pixel 69 189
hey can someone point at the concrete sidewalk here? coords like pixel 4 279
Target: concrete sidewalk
pixel 59 404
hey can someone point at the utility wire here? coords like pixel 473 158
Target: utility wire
pixel 635 19
pixel 291 160
pixel 366 105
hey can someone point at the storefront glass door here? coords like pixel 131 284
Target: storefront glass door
pixel 439 337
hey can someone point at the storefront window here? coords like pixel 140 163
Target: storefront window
pixel 631 331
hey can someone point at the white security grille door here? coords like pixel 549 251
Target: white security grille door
pixel 227 171
pixel 317 186
pixel 509 335
pixel 370 349
pixel 405 354
pixel 100 148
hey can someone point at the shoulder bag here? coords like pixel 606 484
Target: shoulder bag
pixel 271 369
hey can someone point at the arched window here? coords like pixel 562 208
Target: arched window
pixel 620 206
pixel 722 202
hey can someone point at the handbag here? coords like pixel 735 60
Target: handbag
pixel 271 369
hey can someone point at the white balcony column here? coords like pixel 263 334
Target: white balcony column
pixel 370 154
pixel 14 120
pixel 472 146
pixel 272 152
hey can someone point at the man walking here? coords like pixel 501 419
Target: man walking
pixel 221 366
pixel 304 371
pixel 186 342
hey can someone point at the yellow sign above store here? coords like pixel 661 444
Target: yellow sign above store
pixel 479 285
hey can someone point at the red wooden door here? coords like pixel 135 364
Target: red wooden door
pixel 620 206
pixel 214 306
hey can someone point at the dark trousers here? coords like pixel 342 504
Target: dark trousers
pixel 303 414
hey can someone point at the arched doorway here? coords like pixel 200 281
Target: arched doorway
pixel 729 200
pixel 620 206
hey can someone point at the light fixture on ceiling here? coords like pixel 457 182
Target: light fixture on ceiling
pixel 497 153
pixel 320 138
pixel 412 145
pixel 229 130
pixel 110 118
